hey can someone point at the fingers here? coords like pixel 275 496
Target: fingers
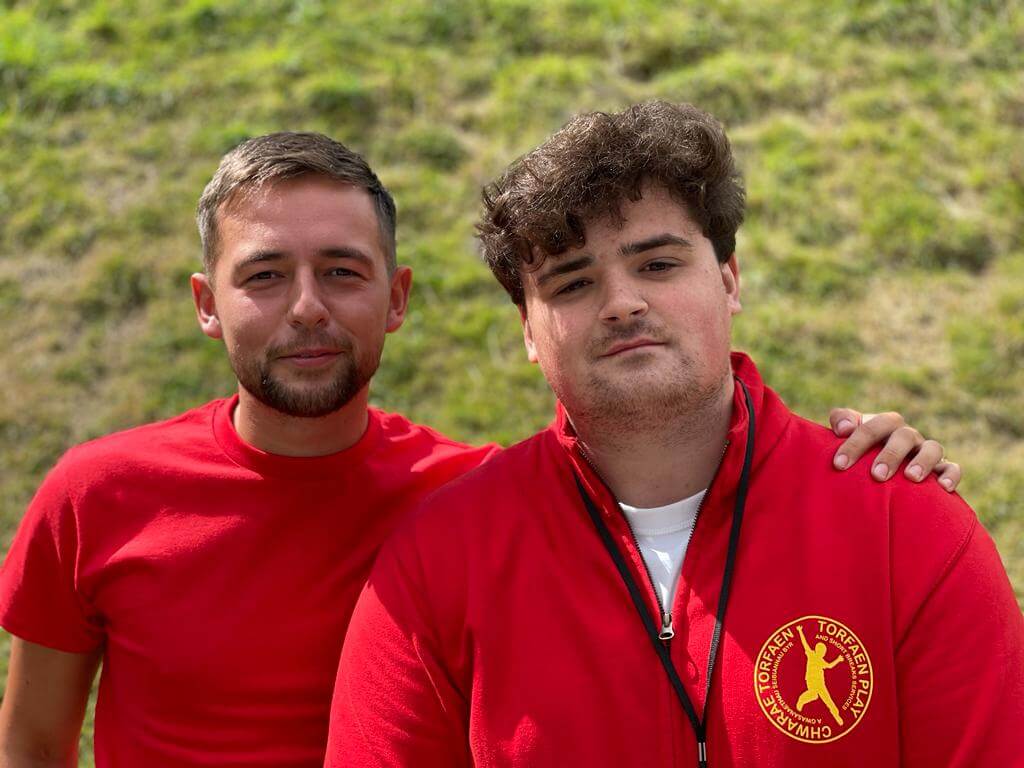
pixel 928 456
pixel 900 444
pixel 930 459
pixel 844 420
pixel 870 433
pixel 949 474
pixel 866 430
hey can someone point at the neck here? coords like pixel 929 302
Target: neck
pixel 656 466
pixel 274 432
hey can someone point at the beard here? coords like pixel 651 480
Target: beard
pixel 311 400
pixel 641 393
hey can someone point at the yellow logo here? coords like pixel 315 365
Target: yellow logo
pixel 813 679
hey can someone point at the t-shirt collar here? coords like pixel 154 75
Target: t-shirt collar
pixel 302 468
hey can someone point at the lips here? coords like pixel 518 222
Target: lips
pixel 309 354
pixel 313 357
pixel 625 346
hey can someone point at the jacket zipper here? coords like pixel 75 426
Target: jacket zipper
pixel 667 630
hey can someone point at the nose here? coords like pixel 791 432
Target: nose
pixel 622 301
pixel 306 305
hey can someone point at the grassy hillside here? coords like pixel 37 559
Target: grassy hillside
pixel 883 258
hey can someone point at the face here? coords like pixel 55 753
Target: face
pixel 636 323
pixel 300 293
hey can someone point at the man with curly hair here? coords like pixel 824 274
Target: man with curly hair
pixel 633 585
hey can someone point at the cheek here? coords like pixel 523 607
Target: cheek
pixel 557 336
pixel 362 316
pixel 711 335
pixel 245 324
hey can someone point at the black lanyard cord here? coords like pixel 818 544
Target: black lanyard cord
pixel 699 726
pixel 638 601
pixel 734 541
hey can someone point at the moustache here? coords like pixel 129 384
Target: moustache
pixel 626 333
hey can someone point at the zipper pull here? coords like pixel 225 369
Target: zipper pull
pixel 702 754
pixel 667 633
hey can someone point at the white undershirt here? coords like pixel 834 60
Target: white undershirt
pixel 663 534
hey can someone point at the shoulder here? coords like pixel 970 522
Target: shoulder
pixel 426 449
pixel 931 513
pixel 808 436
pixel 924 528
pixel 931 530
pixel 489 495
pixel 451 539
pixel 918 534
pixel 139 449
pixel 399 430
pixel 506 473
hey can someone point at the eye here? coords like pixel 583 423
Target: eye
pixel 342 272
pixel 260 277
pixel 659 266
pixel 572 287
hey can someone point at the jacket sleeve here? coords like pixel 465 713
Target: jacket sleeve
pixel 39 596
pixel 960 664
pixel 395 703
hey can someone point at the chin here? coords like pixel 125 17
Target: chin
pixel 309 403
pixel 318 394
pixel 657 392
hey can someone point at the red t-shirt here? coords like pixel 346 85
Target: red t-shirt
pixel 869 624
pixel 218 578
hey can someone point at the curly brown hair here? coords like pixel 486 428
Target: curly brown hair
pixel 540 206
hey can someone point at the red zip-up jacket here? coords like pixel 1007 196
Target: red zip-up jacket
pixel 868 623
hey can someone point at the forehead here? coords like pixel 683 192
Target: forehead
pixel 655 213
pixel 298 213
pixel 655 210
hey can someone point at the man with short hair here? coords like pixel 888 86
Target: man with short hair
pixel 636 584
pixel 213 559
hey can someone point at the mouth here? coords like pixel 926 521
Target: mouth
pixel 311 358
pixel 632 344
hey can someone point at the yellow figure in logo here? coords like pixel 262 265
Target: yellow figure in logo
pixel 815 677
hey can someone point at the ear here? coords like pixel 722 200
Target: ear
pixel 401 285
pixel 206 305
pixel 731 283
pixel 531 348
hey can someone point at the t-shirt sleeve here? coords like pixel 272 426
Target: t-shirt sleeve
pixel 395 703
pixel 39 599
pixel 960 663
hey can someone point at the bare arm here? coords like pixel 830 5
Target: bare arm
pixel 43 707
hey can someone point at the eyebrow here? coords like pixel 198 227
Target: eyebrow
pixel 565 267
pixel 340 252
pixel 631 249
pixel 258 257
pixel 347 252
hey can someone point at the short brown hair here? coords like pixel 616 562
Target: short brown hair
pixel 287 155
pixel 587 169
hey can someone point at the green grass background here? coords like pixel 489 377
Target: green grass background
pixel 882 141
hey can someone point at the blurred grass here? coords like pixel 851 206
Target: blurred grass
pixel 883 258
